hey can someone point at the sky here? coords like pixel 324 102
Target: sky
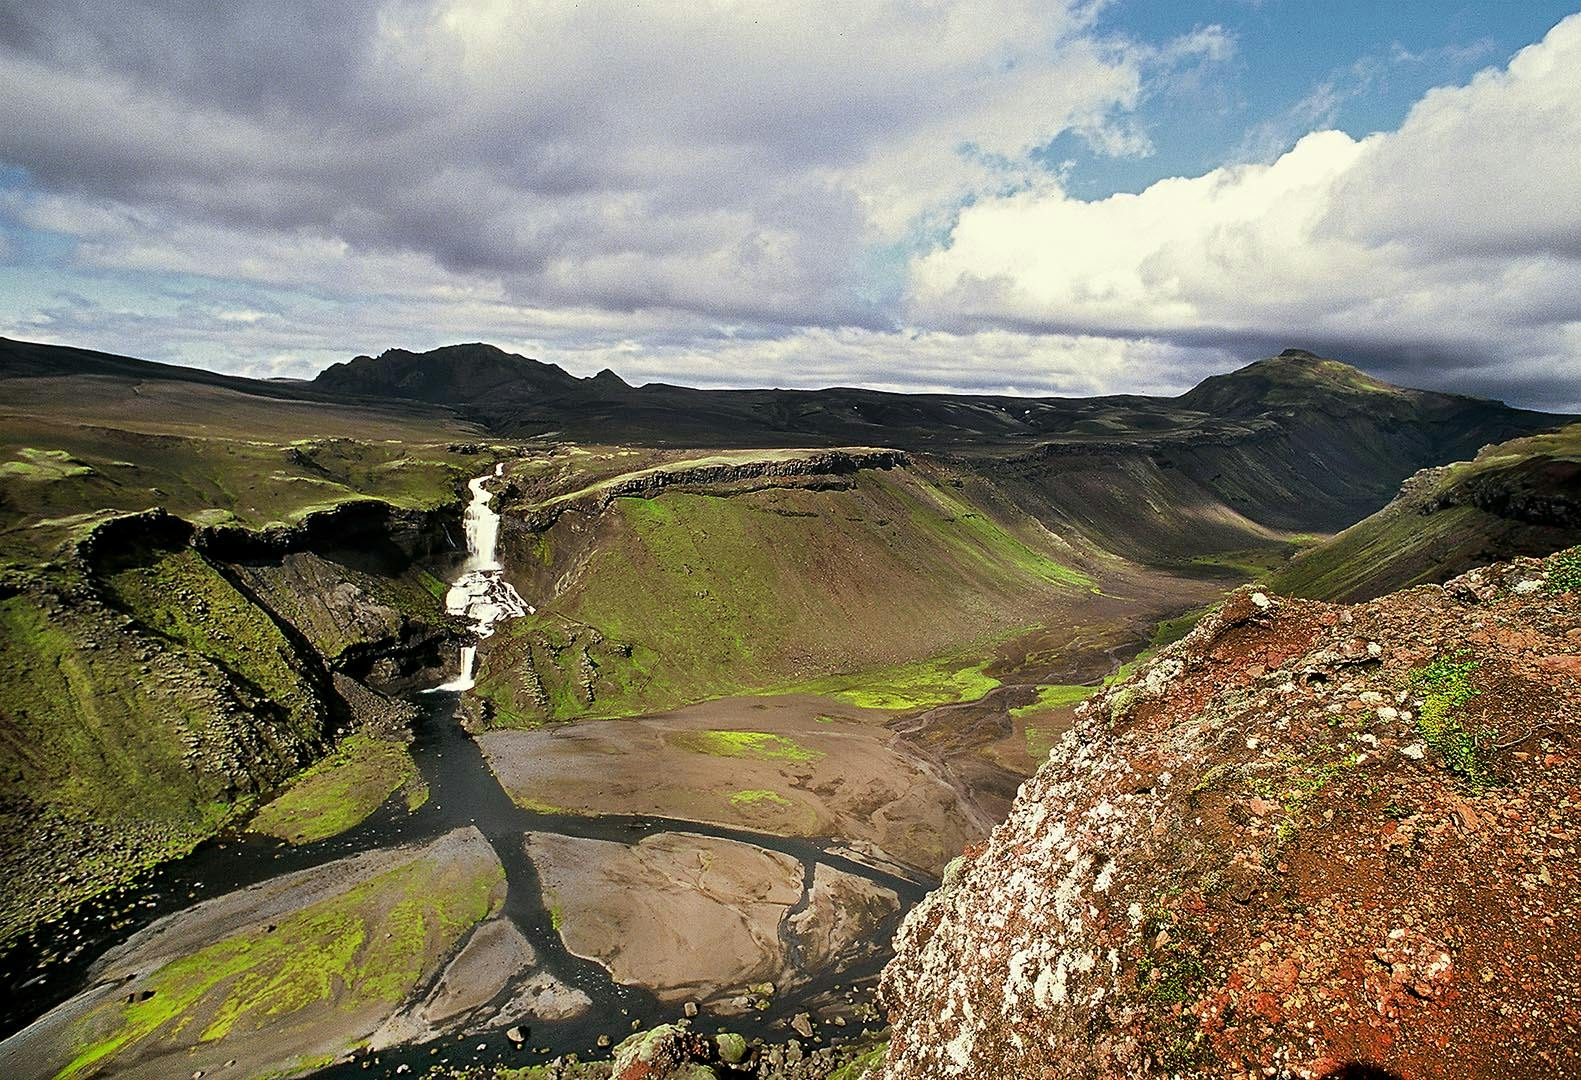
pixel 1004 196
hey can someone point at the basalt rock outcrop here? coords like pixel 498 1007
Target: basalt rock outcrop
pixel 1305 837
pixel 648 483
pixel 1518 498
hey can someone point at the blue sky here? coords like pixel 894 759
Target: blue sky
pixel 1352 64
pixel 1026 196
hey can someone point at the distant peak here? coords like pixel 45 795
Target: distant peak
pixel 607 377
pixel 474 371
pixel 1295 377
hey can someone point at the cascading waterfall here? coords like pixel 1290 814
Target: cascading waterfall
pixel 480 591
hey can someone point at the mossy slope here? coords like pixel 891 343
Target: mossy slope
pixel 340 791
pixel 699 593
pixel 138 715
pixel 1522 497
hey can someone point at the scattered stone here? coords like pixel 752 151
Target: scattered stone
pixel 732 1047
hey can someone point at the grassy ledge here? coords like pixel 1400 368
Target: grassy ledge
pixel 340 791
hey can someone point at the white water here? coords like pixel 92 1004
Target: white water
pixel 480 591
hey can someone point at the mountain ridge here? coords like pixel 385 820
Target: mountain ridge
pixel 517 396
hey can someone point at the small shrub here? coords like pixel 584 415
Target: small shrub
pixel 1564 571
pixel 1446 685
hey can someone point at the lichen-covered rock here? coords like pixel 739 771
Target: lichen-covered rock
pixel 1303 837
pixel 667 1052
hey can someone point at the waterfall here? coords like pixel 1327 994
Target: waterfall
pixel 480 591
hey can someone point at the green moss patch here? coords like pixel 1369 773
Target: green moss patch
pixel 1053 697
pixel 1446 685
pixel 42 466
pixel 538 806
pixel 368 946
pixel 744 800
pixel 864 1066
pixel 1564 571
pixel 757 745
pixel 341 791
pixel 918 685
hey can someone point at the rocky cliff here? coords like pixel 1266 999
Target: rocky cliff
pixel 1521 497
pixel 1304 840
pixel 165 677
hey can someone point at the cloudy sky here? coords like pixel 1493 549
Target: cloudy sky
pixel 1028 196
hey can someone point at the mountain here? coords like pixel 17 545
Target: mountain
pixel 455 374
pixel 1295 378
pixel 1521 497
pixel 1306 837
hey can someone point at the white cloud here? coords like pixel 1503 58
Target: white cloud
pixel 1455 239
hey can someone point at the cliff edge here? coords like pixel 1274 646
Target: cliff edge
pixel 1308 840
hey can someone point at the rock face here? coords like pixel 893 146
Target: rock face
pixel 1304 837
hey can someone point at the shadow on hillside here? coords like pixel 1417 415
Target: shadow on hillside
pixel 1360 1070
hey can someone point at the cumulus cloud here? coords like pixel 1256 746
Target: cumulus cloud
pixel 1448 250
pixel 735 159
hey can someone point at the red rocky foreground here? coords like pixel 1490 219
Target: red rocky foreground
pixel 1306 841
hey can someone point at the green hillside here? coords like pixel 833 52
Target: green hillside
pixel 700 592
pixel 1521 497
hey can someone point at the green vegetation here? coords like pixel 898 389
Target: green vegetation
pixel 980 537
pixel 1040 739
pixel 100 737
pixel 538 806
pixel 758 745
pixel 369 945
pixel 858 1068
pixel 1404 545
pixel 921 684
pixel 1292 786
pixel 340 791
pixel 1564 571
pixel 42 466
pixel 1446 685
pixel 743 800
pixel 689 595
pixel 1168 631
pixel 182 596
pixel 224 470
pixel 1053 697
pixel 1171 973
